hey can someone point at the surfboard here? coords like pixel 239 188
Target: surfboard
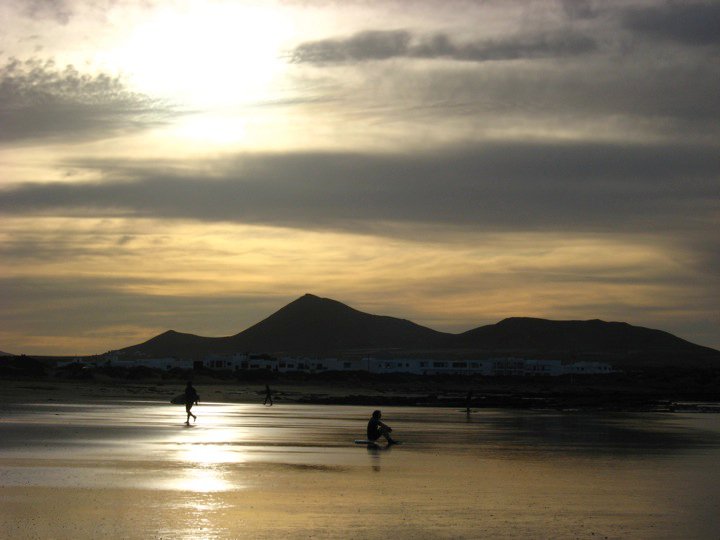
pixel 179 399
pixel 373 443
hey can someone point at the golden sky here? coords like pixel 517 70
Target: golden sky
pixel 196 165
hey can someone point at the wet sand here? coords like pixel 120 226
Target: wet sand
pixel 536 394
pixel 61 391
pixel 121 468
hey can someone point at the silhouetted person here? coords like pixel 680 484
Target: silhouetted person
pixel 191 398
pixel 268 396
pixel 376 429
pixel 468 401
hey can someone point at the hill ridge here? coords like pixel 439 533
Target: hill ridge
pixel 315 325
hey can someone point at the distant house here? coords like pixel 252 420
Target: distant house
pixel 425 366
pixel 493 367
pixel 489 367
pixel 154 363
pixel 312 364
pixel 543 368
pixel 587 368
pixel 232 362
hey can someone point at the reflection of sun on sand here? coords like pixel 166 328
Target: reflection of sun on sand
pixel 205 455
pixel 204 479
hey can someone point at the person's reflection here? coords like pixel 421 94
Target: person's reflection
pixel 375 451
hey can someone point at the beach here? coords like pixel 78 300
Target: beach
pixel 93 466
pixel 603 392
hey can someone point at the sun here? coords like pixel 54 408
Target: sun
pixel 208 55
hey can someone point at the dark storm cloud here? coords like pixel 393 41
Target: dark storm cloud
pixel 40 101
pixel 588 187
pixel 381 45
pixel 687 23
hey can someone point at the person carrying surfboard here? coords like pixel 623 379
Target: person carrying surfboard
pixel 191 398
pixel 376 429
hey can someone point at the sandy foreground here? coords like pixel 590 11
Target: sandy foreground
pixel 88 461
pixel 293 502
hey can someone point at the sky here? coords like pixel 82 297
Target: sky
pixel 196 165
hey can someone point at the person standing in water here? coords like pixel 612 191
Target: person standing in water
pixel 191 398
pixel 376 429
pixel 268 396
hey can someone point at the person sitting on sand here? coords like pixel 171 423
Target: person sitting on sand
pixel 377 429
pixel 191 398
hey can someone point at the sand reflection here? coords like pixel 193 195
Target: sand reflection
pixel 208 451
pixel 203 479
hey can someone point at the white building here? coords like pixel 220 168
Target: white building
pixel 312 364
pixel 587 368
pixel 154 363
pixel 549 368
pixel 232 362
pixel 492 367
pixel 427 366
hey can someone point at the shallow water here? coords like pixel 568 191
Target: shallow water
pixel 134 470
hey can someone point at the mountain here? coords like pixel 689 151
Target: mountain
pixel 172 343
pixel 525 333
pixel 6 354
pixel 594 339
pixel 309 325
pixel 313 325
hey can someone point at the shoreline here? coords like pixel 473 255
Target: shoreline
pixel 314 392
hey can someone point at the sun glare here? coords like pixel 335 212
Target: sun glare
pixel 206 452
pixel 207 54
pixel 208 128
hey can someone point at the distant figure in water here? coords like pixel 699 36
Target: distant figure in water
pixel 268 396
pixel 191 398
pixel 468 401
pixel 376 429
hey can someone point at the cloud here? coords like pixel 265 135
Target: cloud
pixel 499 187
pixel 612 81
pixel 57 10
pixel 382 45
pixel 66 315
pixel 371 45
pixel 630 96
pixel 40 101
pixel 696 23
pixel 579 9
